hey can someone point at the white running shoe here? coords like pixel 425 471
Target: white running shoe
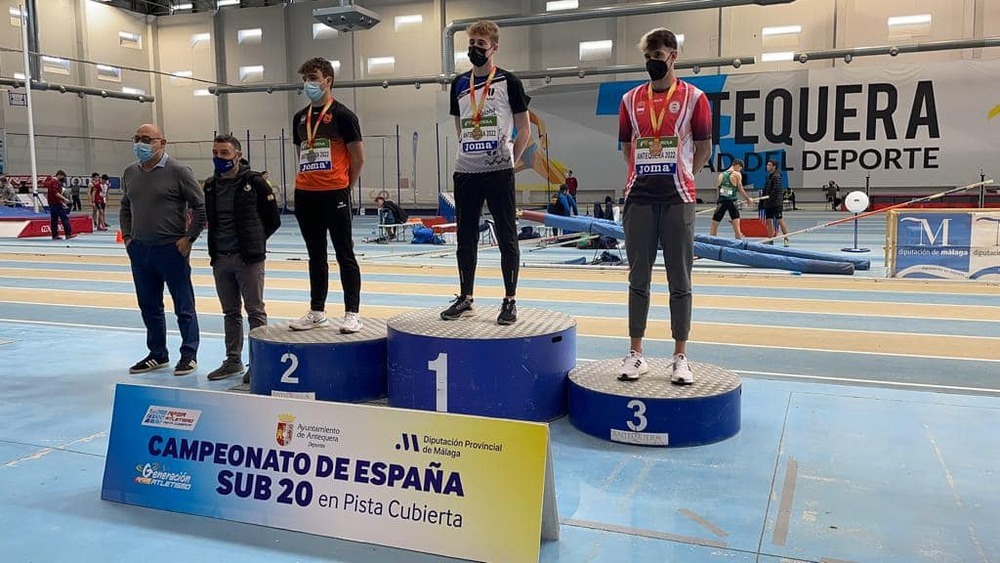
pixel 682 372
pixel 351 324
pixel 633 366
pixel 309 321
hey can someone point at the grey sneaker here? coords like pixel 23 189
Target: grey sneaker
pixel 228 369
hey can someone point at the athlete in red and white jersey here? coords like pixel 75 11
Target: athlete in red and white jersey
pixel 665 128
pixel 685 117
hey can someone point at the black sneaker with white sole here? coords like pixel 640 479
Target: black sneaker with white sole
pixel 461 306
pixel 508 313
pixel 185 366
pixel 149 363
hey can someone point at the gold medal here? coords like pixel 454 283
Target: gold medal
pixel 655 148
pixel 477 132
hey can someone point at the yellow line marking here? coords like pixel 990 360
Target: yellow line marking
pixel 603 297
pixel 716 279
pixel 910 344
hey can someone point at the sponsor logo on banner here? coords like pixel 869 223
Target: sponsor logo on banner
pixel 286 429
pixel 958 245
pixel 169 417
pixel 157 475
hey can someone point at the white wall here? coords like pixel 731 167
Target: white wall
pixel 189 121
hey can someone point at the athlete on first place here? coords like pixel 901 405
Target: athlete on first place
pixel 729 183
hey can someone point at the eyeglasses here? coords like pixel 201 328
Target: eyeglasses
pixel 145 139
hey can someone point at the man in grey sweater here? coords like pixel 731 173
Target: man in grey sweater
pixel 157 194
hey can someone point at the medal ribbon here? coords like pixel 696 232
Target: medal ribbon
pixel 312 131
pixel 657 120
pixel 477 110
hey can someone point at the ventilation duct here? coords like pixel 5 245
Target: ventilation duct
pixel 346 17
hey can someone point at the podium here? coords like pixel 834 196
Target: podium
pixel 474 366
pixel 652 411
pixel 321 363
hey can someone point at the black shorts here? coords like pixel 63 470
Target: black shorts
pixel 772 213
pixel 726 206
pixel 100 205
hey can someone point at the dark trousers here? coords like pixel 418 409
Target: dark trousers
pixel 238 284
pixel 77 204
pixel 670 227
pixel 497 190
pixel 57 211
pixel 319 213
pixel 152 267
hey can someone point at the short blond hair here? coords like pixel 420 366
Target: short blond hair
pixel 657 38
pixel 487 28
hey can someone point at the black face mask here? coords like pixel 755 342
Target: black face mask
pixel 657 69
pixel 477 56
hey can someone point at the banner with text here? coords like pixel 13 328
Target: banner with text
pixel 931 124
pixel 945 245
pixel 453 485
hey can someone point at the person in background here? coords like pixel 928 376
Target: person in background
pixel 57 204
pixel 242 214
pixel 24 188
pixel 790 196
pixel 571 183
pixel 97 202
pixel 729 183
pixel 157 192
pixel 390 213
pixel 7 192
pixel 567 202
pixel 75 191
pixel 327 137
pixel 832 194
pixel 775 194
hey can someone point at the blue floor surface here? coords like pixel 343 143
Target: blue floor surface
pixel 843 456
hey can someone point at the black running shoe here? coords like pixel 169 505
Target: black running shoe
pixel 185 366
pixel 228 368
pixel 462 305
pixel 246 376
pixel 149 363
pixel 508 313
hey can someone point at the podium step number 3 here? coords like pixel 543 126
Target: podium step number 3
pixel 652 411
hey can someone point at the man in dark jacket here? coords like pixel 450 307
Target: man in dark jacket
pixel 773 205
pixel 242 214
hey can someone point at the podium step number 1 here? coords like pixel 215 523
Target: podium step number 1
pixel 440 368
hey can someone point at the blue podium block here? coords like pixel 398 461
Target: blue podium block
pixel 652 411
pixel 473 366
pixel 319 364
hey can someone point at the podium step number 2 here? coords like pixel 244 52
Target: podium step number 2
pixel 319 364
